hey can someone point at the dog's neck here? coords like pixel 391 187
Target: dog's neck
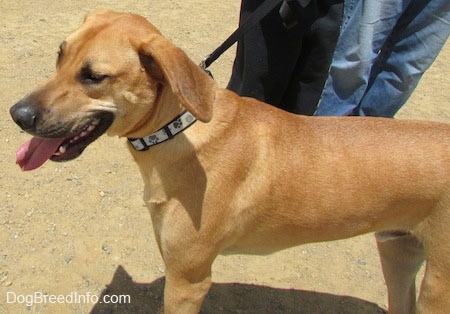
pixel 167 119
pixel 167 132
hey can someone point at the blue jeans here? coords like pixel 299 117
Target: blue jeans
pixel 382 52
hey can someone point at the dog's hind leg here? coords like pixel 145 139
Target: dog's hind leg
pixel 401 257
pixel 435 290
pixel 434 297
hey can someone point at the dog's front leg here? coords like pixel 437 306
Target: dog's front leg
pixel 184 293
pixel 188 255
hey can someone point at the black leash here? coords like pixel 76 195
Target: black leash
pixel 258 15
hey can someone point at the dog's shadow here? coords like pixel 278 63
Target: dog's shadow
pixel 226 298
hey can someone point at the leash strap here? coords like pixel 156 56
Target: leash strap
pixel 258 14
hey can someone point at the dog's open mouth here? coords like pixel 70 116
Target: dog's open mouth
pixel 35 152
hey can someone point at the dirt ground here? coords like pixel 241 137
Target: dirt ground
pixel 80 230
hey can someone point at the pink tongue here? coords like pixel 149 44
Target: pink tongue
pixel 35 152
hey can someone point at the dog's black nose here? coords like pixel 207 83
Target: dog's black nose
pixel 25 115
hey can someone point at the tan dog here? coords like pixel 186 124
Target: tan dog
pixel 246 177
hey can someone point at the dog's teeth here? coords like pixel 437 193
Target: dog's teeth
pixel 62 149
pixel 84 133
pixel 95 122
pixel 90 128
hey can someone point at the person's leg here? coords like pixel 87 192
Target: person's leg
pixel 412 47
pixel 366 27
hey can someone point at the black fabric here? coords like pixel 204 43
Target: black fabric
pixel 287 67
pixel 254 18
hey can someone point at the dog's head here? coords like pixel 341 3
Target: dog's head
pixel 112 75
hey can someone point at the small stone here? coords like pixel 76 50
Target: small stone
pixel 106 248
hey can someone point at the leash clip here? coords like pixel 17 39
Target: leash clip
pixel 203 65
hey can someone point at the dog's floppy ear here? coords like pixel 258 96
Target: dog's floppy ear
pixel 194 88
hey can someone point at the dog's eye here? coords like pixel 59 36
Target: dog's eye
pixel 90 78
